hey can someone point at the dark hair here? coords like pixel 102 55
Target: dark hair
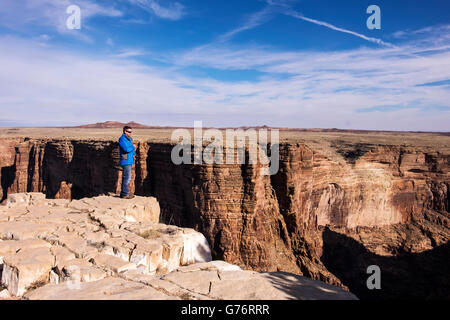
pixel 126 128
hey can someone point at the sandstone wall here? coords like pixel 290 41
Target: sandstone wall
pixel 264 223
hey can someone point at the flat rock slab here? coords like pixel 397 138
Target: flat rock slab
pixel 17 199
pixel 112 263
pixel 250 285
pixel 27 268
pixel 220 280
pixel 111 248
pixel 105 289
pixel 215 280
pixel 87 240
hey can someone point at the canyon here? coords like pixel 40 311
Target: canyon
pixel 339 203
pixel 107 248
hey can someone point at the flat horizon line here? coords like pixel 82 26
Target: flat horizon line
pixel 148 127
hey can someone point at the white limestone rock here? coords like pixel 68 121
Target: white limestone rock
pixel 195 248
pixel 105 289
pixel 27 268
pixel 4 294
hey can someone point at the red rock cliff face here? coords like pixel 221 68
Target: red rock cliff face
pixel 7 168
pixel 322 215
pixel 63 168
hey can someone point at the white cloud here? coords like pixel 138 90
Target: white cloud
pixel 18 14
pixel 299 89
pixel 110 42
pixel 129 53
pixel 44 37
pixel 252 21
pixel 333 27
pixel 172 11
pixel 258 18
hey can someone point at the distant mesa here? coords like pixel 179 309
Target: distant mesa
pixel 113 124
pixel 117 124
pixel 135 125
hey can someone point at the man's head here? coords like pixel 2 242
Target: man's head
pixel 127 131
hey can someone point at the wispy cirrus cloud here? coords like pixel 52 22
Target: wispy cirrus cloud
pixel 356 88
pixel 171 11
pixel 20 14
pixel 428 39
pixel 252 21
pixel 356 81
pixel 129 53
pixel 284 7
pixel 300 16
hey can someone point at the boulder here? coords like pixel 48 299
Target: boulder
pixel 27 269
pixel 196 248
pixel 18 199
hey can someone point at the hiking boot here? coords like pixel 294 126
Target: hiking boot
pixel 127 197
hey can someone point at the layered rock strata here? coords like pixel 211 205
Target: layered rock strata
pixel 391 199
pixel 86 240
pixel 112 248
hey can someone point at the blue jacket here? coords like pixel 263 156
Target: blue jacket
pixel 126 150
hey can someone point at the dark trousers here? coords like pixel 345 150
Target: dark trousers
pixel 126 178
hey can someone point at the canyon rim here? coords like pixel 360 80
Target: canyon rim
pixel 340 202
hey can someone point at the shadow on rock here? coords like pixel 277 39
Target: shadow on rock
pixel 85 170
pixel 302 288
pixel 422 275
pixel 8 175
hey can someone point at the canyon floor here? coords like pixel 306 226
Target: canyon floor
pixel 340 202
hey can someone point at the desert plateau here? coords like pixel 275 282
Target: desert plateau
pixel 340 202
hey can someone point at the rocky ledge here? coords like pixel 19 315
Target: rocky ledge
pixel 111 248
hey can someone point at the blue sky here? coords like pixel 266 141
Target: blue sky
pixel 286 63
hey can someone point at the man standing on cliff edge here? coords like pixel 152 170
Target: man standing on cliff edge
pixel 127 156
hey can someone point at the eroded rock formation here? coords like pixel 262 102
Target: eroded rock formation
pixel 392 200
pixel 215 280
pixel 86 240
pixel 112 248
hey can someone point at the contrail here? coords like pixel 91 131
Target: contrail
pixel 254 21
pixel 328 25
